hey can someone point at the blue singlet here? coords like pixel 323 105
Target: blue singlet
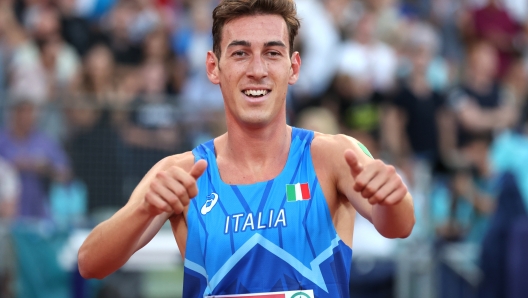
pixel 275 235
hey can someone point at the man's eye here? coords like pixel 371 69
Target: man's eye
pixel 239 54
pixel 273 54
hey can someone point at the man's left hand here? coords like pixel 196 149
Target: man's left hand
pixel 376 181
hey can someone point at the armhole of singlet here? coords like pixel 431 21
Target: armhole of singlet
pixel 364 149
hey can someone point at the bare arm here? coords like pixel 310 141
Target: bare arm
pixel 165 190
pixel 8 208
pixel 166 138
pixel 394 131
pixel 374 189
pixel 477 119
pixel 447 136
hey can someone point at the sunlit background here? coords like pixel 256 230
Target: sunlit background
pixel 94 92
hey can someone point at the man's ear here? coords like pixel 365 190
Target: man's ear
pixel 211 65
pixel 295 68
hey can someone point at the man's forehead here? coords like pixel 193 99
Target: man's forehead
pixel 255 29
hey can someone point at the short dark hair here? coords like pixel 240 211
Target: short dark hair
pixel 229 10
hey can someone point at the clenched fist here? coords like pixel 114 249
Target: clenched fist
pixel 171 190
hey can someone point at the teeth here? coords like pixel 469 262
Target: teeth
pixel 256 92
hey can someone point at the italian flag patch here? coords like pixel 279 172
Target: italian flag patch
pixel 297 192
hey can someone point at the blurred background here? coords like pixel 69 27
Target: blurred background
pixel 94 92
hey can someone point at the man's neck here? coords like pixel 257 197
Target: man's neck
pixel 247 154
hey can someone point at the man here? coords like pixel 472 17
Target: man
pixel 276 206
pixel 37 159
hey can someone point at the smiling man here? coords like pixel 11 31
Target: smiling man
pixel 265 208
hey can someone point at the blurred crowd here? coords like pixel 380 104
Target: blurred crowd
pixel 94 92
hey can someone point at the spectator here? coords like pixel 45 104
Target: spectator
pixel 92 115
pixel 146 19
pixel 367 60
pixel 493 24
pixel 128 85
pixel 37 158
pixel 126 51
pixel 389 24
pixel 417 120
pixel 151 131
pixel 156 47
pixel 93 146
pixel 359 112
pixel 319 58
pixel 445 15
pixel 97 78
pixel 25 75
pixel 366 74
pixel 480 103
pixel 75 29
pixel 58 59
pixel 473 190
pixel 343 13
pixel 192 43
pixel 59 69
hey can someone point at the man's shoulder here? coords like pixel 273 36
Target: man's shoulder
pixel 330 142
pixel 333 146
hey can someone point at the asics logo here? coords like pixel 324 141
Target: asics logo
pixel 210 203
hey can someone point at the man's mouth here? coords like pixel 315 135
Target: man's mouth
pixel 256 93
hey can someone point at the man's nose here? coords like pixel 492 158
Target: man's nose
pixel 257 68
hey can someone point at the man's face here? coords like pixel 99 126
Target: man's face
pixel 254 69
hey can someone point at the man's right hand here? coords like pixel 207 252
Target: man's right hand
pixel 171 190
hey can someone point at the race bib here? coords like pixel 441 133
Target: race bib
pixel 288 294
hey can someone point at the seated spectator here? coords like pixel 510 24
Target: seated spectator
pixel 37 158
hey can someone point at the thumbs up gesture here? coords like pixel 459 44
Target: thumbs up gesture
pixel 171 190
pixel 376 181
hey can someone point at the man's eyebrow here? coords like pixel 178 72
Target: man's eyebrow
pixel 239 43
pixel 274 44
pixel 246 43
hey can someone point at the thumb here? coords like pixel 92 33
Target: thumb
pixel 198 168
pixel 353 162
